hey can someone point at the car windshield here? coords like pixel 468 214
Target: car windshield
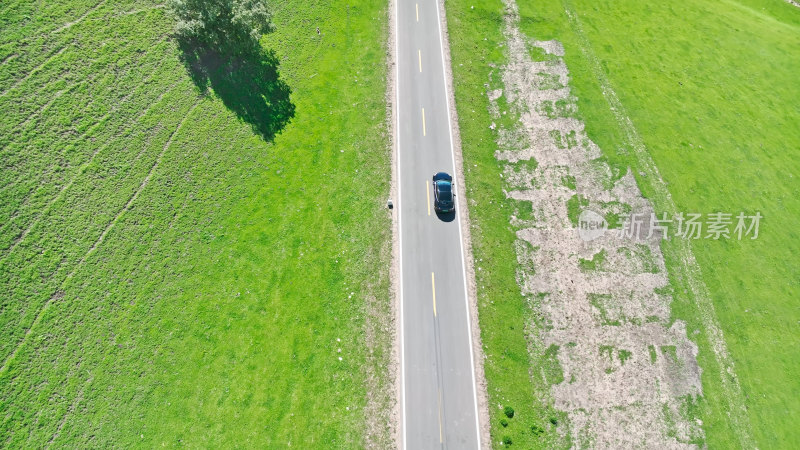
pixel 444 186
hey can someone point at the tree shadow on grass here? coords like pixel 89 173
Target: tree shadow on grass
pixel 246 80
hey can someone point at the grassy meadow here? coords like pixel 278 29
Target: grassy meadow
pixel 711 89
pixel 170 274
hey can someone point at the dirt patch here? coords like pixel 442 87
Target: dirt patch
pixel 626 371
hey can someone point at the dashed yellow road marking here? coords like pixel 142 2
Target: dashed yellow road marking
pixel 417 12
pixel 420 60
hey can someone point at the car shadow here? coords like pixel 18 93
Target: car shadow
pixel 446 217
pixel 245 79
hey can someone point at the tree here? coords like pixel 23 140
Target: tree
pixel 228 26
pixel 219 46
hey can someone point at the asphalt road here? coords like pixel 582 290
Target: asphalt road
pixel 439 404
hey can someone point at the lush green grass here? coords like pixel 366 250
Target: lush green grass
pixel 193 283
pixel 710 87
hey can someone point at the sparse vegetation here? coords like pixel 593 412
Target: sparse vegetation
pixel 602 302
pixel 548 80
pixel 607 351
pixel 671 352
pixel 524 210
pixel 569 182
pixel 554 374
pixel 594 263
pixel 575 206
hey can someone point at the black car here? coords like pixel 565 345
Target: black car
pixel 443 193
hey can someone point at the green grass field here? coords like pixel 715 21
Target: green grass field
pixel 711 90
pixel 168 276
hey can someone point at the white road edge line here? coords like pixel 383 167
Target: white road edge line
pixel 460 235
pixel 440 416
pixel 399 220
pixel 433 289
pixel 428 194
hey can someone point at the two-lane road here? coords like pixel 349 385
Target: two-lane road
pixel 439 403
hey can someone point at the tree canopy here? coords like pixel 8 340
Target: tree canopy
pixel 224 25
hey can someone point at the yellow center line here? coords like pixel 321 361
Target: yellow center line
pixel 420 60
pixel 417 12
pixel 428 191
pixel 423 121
pixel 433 288
pixel 440 415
